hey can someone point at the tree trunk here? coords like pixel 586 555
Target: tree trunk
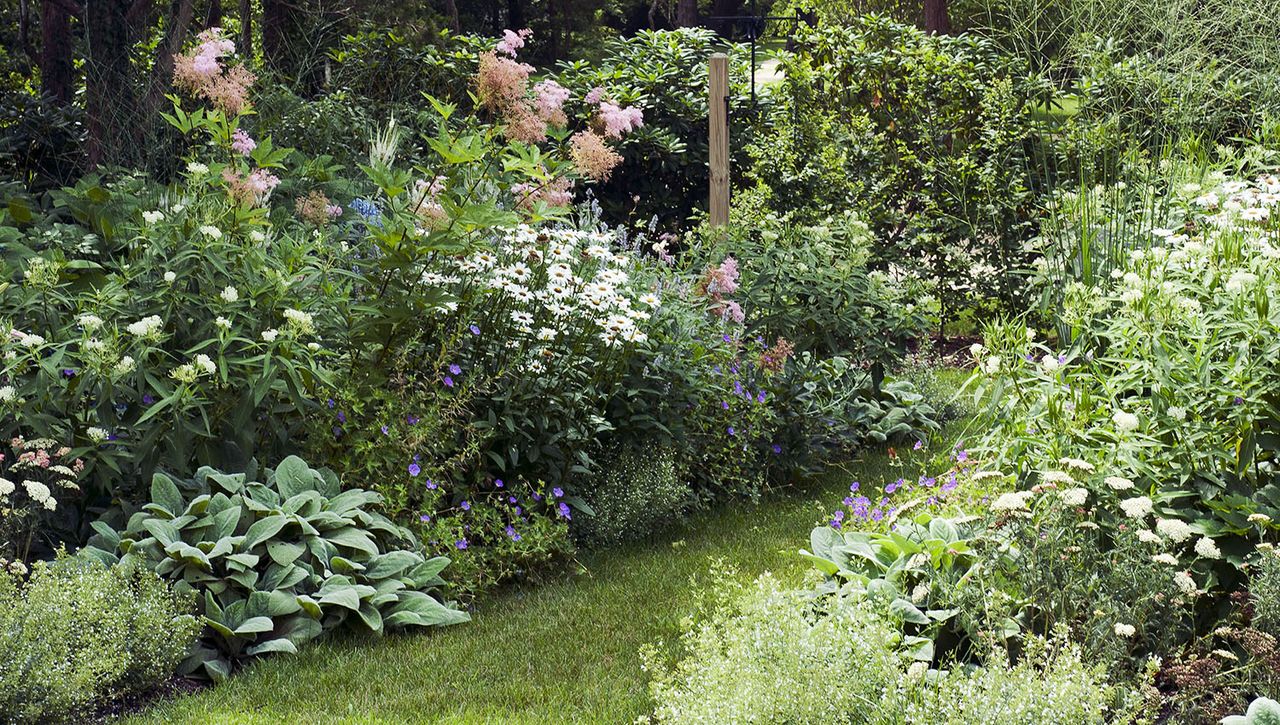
pixel 515 15
pixel 686 13
pixel 56 66
pixel 451 10
pixel 109 92
pixel 724 8
pixel 246 29
pixel 215 14
pixel 935 17
pixel 280 30
pixel 162 69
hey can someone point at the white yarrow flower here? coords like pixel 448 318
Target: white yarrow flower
pixel 1124 630
pixel 1125 422
pixel 97 435
pixel 229 294
pixel 1206 548
pixel 1137 507
pixel 1175 530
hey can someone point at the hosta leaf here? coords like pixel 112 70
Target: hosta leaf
pixel 343 597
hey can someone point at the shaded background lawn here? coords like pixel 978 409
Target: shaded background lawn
pixel 559 652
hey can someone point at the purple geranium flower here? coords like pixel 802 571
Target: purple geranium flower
pixel 461 544
pixel 448 381
pixel 465 505
pixel 455 369
pixel 425 519
pixel 511 532
pixel 563 508
pixel 497 482
pixel 431 485
pixel 386 431
pixel 475 330
pixel 414 469
pixel 557 492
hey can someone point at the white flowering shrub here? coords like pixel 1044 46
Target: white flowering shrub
pixel 77 635
pixel 1170 378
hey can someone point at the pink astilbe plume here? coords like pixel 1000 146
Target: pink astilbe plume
pixel 251 190
pixel 200 71
pixel 521 122
pixel 592 155
pixel 594 96
pixel 513 40
pixel 557 192
pixel 717 284
pixel 501 82
pixel 315 208
pixel 548 99
pixel 241 143
pixel 618 121
pixel 425 201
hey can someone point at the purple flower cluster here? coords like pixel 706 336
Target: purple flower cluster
pixel 862 508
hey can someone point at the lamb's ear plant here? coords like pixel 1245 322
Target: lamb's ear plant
pixel 278 562
pixel 1262 711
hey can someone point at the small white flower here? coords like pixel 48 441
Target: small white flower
pixel 152 217
pixel 313 346
pixel 146 327
pixel 6 487
pixel 1050 363
pixel 125 366
pixel 1206 548
pixel 196 168
pixel 991 365
pixel 97 435
pixel 270 335
pixel 1178 413
pixel 229 294
pixel 546 333
pixel 1124 630
pixel 1012 501
pixel 1125 422
pixel 299 319
pixel 1137 507
pixel 1253 518
pixel 1118 483
pixel 211 231
pixel 1149 537
pixel 1074 496
pixel 8 394
pixel 1077 464
pixel 89 322
pixel 1185 583
pixel 170 277
pixel 206 363
pixel 1167 559
pixel 650 299
pixel 257 236
pixel 223 322
pixel 1175 530
pixel 1056 477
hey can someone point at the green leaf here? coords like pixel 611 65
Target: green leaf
pixel 262 530
pixel 273 645
pixel 254 625
pixel 294 476
pixel 907 611
pixel 165 493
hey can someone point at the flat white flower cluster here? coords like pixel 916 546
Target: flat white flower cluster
pixel 553 283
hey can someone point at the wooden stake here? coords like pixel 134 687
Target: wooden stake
pixel 718 103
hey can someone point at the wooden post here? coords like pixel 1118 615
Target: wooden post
pixel 718 104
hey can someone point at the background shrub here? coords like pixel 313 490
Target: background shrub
pixel 79 634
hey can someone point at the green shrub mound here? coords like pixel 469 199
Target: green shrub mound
pixel 278 562
pixel 78 634
pixel 637 493
pixel 765 653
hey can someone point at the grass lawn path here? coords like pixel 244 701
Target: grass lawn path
pixel 563 652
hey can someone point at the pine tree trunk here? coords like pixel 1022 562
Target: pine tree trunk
pixel 451 10
pixel 215 14
pixel 56 63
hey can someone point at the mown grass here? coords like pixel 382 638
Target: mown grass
pixel 555 653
